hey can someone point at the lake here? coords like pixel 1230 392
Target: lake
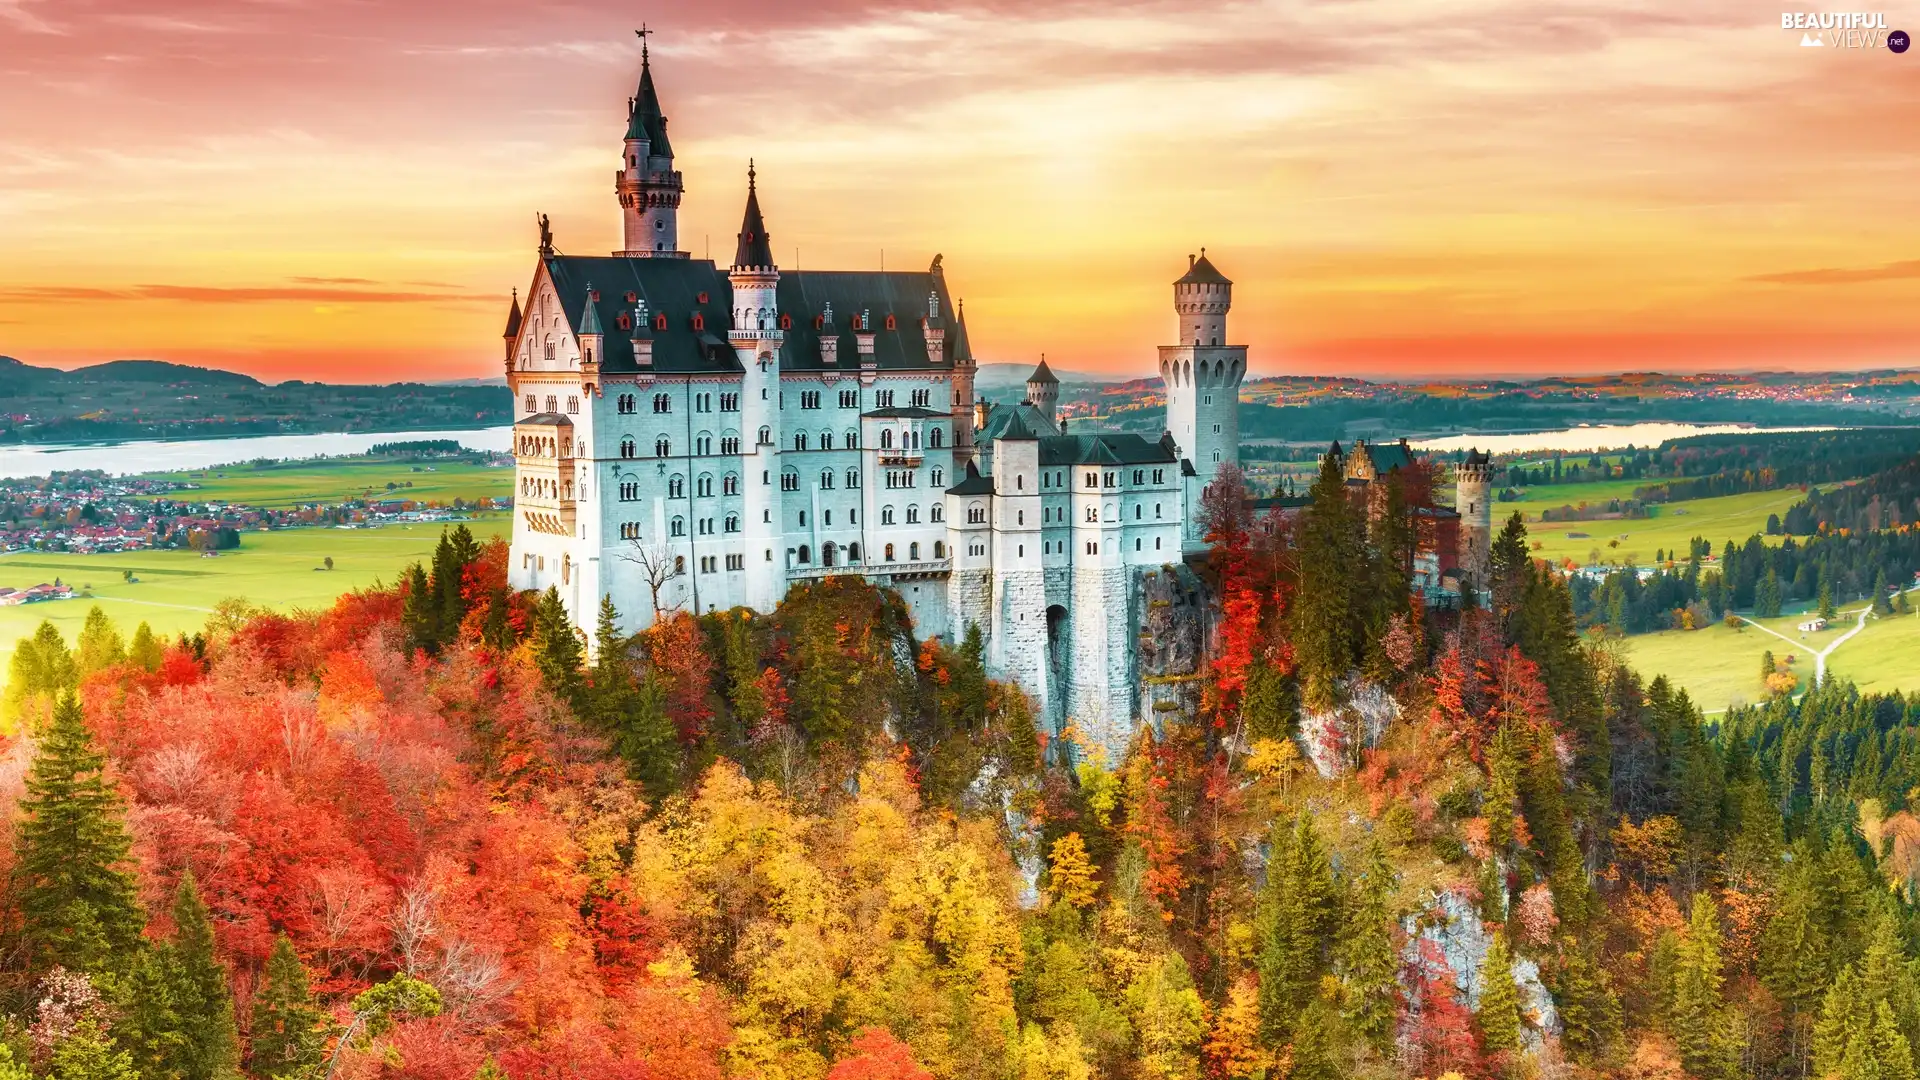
pixel 1581 440
pixel 162 455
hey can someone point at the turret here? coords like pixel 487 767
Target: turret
pixel 512 336
pixel 755 336
pixel 646 183
pixel 1202 373
pixel 1473 500
pixel 1043 390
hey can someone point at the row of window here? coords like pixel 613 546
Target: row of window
pixel 627 404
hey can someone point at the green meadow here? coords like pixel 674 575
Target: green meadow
pixel 294 483
pixel 1669 527
pixel 174 591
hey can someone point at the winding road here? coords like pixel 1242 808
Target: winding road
pixel 1820 658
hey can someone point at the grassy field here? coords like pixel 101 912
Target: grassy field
pixel 1721 667
pixel 1728 517
pixel 298 482
pixel 175 590
pixel 1885 657
pixel 1574 494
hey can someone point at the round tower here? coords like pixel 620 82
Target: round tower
pixel 648 186
pixel 1043 390
pixel 1202 373
pixel 1473 500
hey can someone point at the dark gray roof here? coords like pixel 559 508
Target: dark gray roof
pixel 755 247
pixel 999 416
pixel 672 287
pixel 1043 374
pixel 546 419
pixel 1387 458
pixel 644 118
pixel 972 483
pixel 1201 272
pixel 1016 427
pixel 1108 449
pixel 590 319
pixel 1477 456
pixel 904 411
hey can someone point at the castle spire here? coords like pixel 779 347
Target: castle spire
pixel 644 118
pixel 755 247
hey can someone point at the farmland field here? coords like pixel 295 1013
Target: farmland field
pixel 174 591
pixel 295 483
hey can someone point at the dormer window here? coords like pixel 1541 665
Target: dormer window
pixel 819 322
pixel 703 298
pixel 633 297
pixel 624 322
pixel 699 321
pixel 593 296
pixel 660 321
pixel 786 322
pixel 890 322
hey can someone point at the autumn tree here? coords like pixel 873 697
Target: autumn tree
pixel 100 645
pixel 145 650
pixel 76 893
pixel 40 669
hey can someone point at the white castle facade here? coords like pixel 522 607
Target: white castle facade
pixel 689 438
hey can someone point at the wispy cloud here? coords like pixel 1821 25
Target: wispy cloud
pixel 17 13
pixel 1893 271
pixel 212 294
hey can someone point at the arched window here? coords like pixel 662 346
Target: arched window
pixel 704 486
pixel 886 515
pixel 805 556
pixel 799 440
pixel 703 443
pixel 663 447
pixel 679 565
pixel 532 405
pixel 939 476
pixel 913 515
pixel 913 551
pixel 663 403
pixel 766 436
pixel 938 513
pixel 730 484
pixel 853 552
pixel 826 440
pixel 933 439
pixel 853 439
pixel 676 487
pixel 678 527
pixel 886 438
pixel 889 552
pixel 626 447
pixel 853 478
pixel 1093 513
pixel 733 523
pixel 826 479
pixel 939 550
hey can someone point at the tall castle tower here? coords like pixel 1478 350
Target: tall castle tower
pixel 756 339
pixel 1202 373
pixel 1043 389
pixel 646 182
pixel 1473 499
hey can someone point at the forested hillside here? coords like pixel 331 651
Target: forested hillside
pixel 422 835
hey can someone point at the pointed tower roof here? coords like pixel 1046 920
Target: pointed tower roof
pixel 1043 374
pixel 959 346
pixel 590 318
pixel 756 248
pixel 1017 428
pixel 513 317
pixel 644 118
pixel 1201 272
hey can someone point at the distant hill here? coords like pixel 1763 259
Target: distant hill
pixel 997 377
pixel 154 399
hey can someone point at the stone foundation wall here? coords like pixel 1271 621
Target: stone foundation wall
pixel 1100 699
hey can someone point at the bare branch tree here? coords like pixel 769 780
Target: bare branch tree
pixel 655 563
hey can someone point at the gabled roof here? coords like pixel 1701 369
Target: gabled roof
pixel 1201 272
pixel 1105 449
pixel 972 483
pixel 1387 458
pixel 914 412
pixel 1016 428
pixel 1032 420
pixel 1043 374
pixel 644 118
pixel 672 287
pixel 546 419
pixel 590 319
pixel 755 247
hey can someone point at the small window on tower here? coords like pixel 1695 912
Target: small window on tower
pixel 699 320
pixel 660 321
pixel 786 322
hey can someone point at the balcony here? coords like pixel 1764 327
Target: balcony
pixel 897 456
pixel 881 571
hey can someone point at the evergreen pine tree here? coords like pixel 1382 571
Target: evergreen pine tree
pixel 77 897
pixel 1367 957
pixel 1827 608
pixel 1301 913
pixel 1698 1022
pixel 210 1047
pixel 145 649
pixel 1901 605
pixel 1766 599
pixel 448 605
pixel 417 614
pixel 40 669
pixel 1499 1014
pixel 556 649
pixel 100 645
pixel 1325 619
pixel 289 1031
pixel 88 1053
pixel 1768 665
pixel 1881 604
pixel 1510 566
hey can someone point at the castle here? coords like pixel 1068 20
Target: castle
pixel 689 438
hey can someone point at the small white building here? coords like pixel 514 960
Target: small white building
pixel 1813 625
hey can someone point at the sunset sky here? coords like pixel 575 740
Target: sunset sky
pixel 1410 188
